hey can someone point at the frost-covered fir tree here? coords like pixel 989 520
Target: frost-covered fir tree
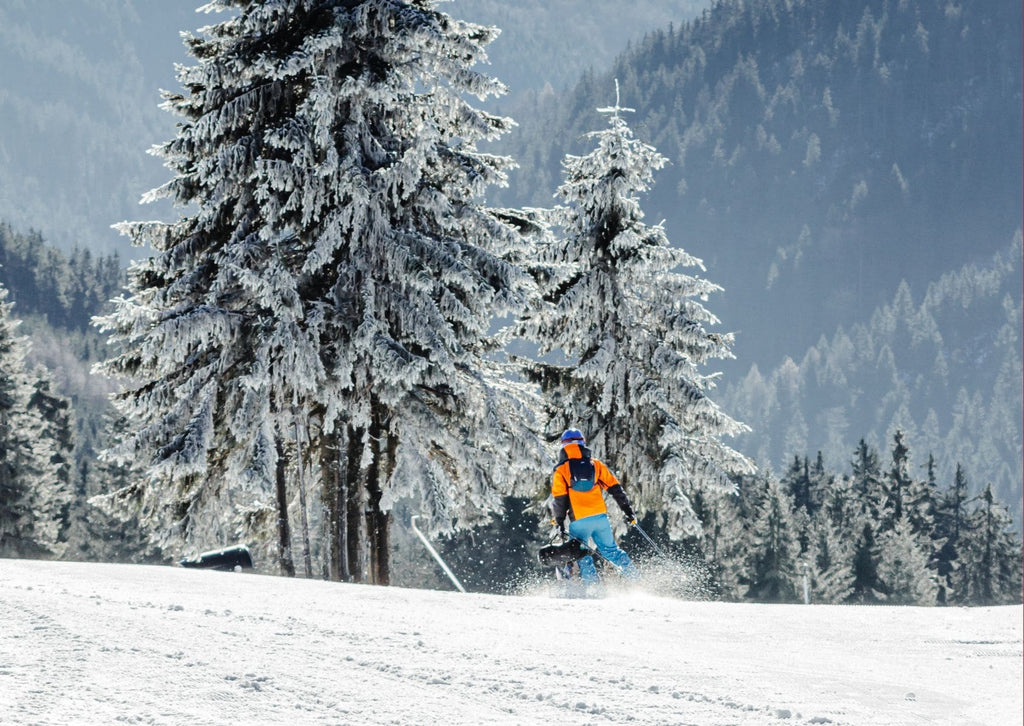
pixel 33 495
pixel 830 560
pixel 728 524
pixel 797 482
pixel 897 485
pixel 867 583
pixel 55 414
pixel 990 555
pixel 923 503
pixel 634 335
pixel 773 559
pixel 951 517
pixel 316 321
pixel 903 567
pixel 834 537
pixel 868 485
pixel 807 485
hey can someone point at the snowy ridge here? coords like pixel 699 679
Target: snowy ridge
pixel 102 644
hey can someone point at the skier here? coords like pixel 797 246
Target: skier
pixel 577 486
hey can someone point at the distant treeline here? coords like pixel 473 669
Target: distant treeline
pixel 50 469
pixel 878 534
pixel 943 367
pixel 65 290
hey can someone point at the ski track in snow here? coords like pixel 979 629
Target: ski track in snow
pixel 111 644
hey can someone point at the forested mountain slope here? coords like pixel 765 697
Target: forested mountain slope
pixel 551 44
pixel 943 366
pixel 822 151
pixel 79 102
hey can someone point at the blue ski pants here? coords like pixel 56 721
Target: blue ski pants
pixel 597 528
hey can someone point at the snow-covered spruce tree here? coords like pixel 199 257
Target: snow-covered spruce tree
pixel 869 487
pixel 633 334
pixel 836 534
pixel 867 585
pixel 33 495
pixel 923 500
pixel 991 555
pixel 58 431
pixel 797 482
pixel 896 484
pixel 830 563
pixel 903 566
pixel 773 560
pixel 727 539
pixel 951 518
pixel 330 287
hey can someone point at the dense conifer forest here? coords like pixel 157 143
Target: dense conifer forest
pixel 51 297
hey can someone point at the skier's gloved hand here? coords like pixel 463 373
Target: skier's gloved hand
pixel 560 526
pixel 630 517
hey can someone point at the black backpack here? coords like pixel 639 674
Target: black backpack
pixel 583 475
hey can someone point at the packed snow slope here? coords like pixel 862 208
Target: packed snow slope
pixel 106 644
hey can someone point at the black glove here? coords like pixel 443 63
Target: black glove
pixel 561 526
pixel 630 517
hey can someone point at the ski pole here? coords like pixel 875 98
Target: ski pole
pixel 650 541
pixel 433 552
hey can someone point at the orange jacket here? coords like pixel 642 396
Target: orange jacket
pixel 574 502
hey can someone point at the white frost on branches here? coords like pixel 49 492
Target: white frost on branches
pixel 33 498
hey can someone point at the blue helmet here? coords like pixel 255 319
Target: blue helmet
pixel 572 436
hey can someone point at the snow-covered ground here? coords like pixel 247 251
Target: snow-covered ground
pixel 108 644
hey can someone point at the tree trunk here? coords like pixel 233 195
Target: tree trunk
pixel 335 504
pixel 307 558
pixel 283 529
pixel 373 495
pixel 366 533
pixel 378 525
pixel 378 522
pixel 355 522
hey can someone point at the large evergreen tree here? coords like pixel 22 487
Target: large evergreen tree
pixel 950 523
pixel 773 558
pixel 868 485
pixel 323 306
pixel 991 563
pixel 830 559
pixel 634 335
pixel 903 567
pixel 34 494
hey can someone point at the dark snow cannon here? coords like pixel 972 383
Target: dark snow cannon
pixel 229 559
